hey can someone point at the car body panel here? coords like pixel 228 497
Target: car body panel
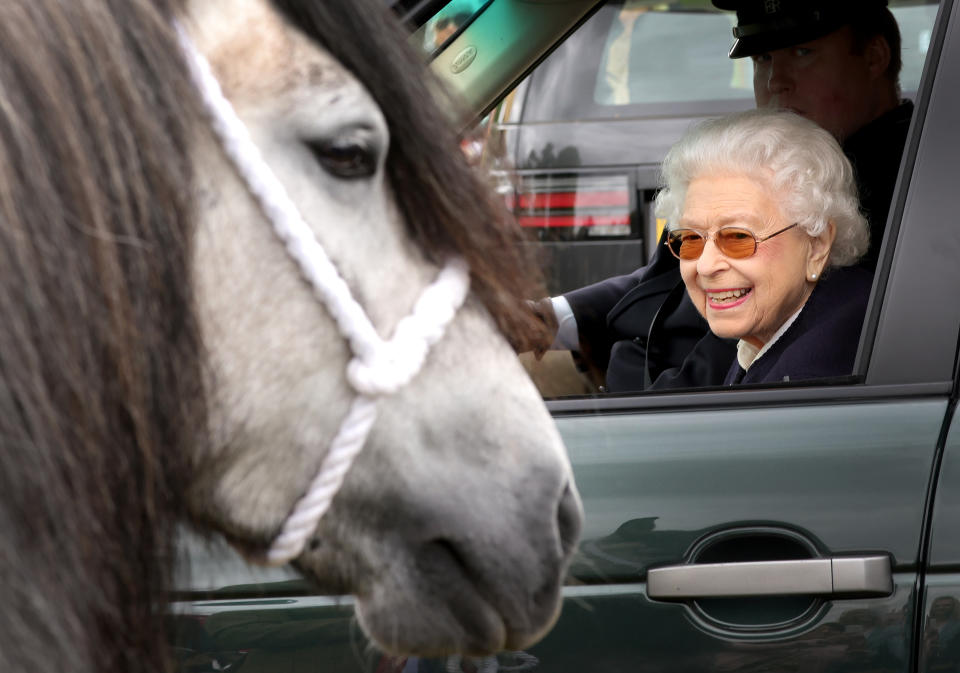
pixel 849 477
pixel 939 630
pixel 944 554
pixel 627 632
pixel 940 624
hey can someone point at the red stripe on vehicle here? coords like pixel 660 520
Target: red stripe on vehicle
pixel 574 199
pixel 572 220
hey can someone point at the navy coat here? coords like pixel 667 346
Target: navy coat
pixel 822 342
pixel 875 152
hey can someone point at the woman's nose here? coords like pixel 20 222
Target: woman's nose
pixel 711 260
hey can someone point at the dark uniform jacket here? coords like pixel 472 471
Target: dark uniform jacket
pixel 822 342
pixel 644 331
pixel 875 152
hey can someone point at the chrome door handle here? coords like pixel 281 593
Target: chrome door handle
pixel 859 576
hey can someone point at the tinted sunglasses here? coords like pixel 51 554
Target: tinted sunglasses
pixel 733 242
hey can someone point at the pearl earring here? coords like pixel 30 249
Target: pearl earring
pixel 813 276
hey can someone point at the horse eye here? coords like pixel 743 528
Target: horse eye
pixel 349 156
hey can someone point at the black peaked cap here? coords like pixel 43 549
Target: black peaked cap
pixel 765 25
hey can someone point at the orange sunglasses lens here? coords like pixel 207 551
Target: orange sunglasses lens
pixel 733 242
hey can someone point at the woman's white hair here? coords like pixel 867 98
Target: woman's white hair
pixel 800 161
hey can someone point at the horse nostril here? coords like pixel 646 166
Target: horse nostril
pixel 438 554
pixel 569 520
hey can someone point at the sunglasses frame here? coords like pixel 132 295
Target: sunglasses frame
pixel 756 241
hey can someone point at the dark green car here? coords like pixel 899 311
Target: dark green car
pixel 785 528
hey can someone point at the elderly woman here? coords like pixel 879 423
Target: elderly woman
pixel 763 215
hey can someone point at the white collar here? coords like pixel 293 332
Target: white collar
pixel 747 353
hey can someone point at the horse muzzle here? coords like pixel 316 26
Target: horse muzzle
pixel 471 589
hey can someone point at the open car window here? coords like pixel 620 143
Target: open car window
pixel 575 150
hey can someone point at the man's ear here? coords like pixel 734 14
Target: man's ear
pixel 877 54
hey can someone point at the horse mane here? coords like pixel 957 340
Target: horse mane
pixel 447 206
pixel 100 388
pixel 101 398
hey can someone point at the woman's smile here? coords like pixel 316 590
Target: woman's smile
pixel 723 299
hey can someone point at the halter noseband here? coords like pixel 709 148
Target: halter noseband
pixel 378 367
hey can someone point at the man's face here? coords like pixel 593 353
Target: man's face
pixel 823 80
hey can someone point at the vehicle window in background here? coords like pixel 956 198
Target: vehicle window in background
pixel 640 58
pixel 642 63
pixel 916 26
pixel 446 24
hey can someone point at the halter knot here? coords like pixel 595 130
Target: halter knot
pixel 386 366
pixel 392 364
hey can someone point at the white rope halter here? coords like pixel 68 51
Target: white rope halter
pixel 378 367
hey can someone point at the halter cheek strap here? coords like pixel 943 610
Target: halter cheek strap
pixel 378 367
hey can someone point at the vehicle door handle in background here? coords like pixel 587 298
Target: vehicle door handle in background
pixel 847 576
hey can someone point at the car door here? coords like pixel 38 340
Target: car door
pixel 701 505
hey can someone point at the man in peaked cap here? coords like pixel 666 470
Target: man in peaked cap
pixel 836 62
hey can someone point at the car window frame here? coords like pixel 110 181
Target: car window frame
pixel 894 317
pixel 891 322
